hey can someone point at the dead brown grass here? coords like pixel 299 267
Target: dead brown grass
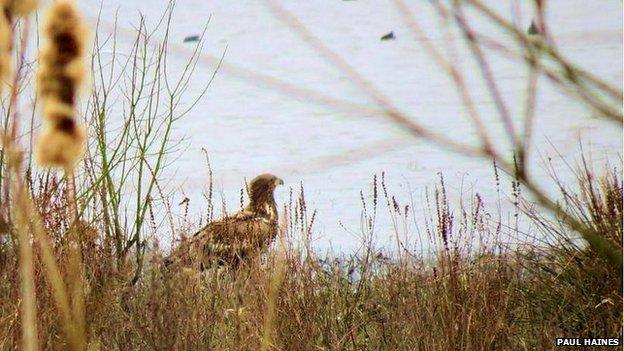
pixel 460 299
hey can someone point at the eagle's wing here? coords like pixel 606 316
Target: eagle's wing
pixel 213 235
pixel 231 239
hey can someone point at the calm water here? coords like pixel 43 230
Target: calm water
pixel 249 128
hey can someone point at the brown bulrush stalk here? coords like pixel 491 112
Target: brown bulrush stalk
pixel 274 285
pixel 61 143
pixel 9 11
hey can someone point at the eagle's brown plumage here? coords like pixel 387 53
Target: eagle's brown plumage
pixel 234 238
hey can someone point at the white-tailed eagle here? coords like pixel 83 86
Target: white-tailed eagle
pixel 235 238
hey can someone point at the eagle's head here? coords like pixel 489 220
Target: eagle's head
pixel 261 190
pixel 263 186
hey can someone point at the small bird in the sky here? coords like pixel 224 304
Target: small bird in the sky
pixel 534 29
pixel 389 36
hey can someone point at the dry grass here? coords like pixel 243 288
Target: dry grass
pixel 462 298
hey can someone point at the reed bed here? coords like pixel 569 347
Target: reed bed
pixel 454 298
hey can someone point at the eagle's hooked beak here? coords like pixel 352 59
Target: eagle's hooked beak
pixel 279 181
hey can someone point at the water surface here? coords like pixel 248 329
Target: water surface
pixel 249 128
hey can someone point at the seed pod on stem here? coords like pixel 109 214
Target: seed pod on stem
pixel 60 74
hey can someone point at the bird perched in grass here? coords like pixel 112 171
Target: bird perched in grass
pixel 235 238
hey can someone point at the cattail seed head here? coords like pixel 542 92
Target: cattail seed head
pixel 9 9
pixel 6 45
pixel 21 8
pixel 60 74
pixel 61 145
pixel 62 67
pixel 56 111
